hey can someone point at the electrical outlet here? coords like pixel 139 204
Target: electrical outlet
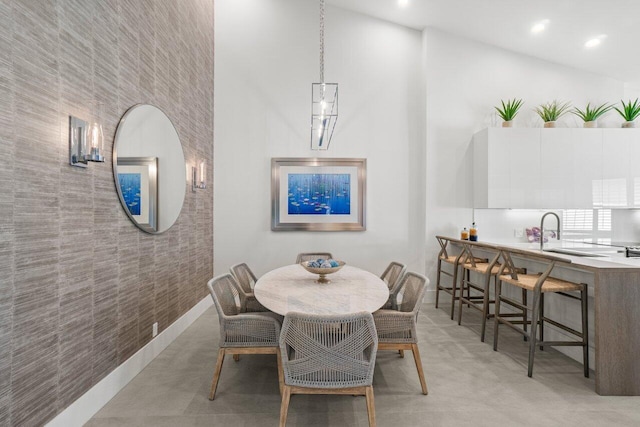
pixel 518 232
pixel 155 330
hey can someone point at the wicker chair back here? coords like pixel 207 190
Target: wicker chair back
pixel 244 277
pixel 336 351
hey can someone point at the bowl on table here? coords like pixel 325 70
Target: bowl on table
pixel 322 267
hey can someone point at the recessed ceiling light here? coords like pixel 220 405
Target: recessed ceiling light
pixel 403 3
pixel 595 41
pixel 540 26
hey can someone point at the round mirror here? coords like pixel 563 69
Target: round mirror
pixel 149 168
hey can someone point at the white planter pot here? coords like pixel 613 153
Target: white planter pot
pixel 507 124
pixel 591 124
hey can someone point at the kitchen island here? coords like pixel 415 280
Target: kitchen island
pixel 614 290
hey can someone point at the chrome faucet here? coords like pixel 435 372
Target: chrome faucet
pixel 542 228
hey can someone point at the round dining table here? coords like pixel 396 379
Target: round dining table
pixel 292 288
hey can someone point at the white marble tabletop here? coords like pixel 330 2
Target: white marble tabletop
pixel 292 288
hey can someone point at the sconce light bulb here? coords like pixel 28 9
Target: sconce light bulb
pixel 203 173
pixel 95 142
pixel 94 135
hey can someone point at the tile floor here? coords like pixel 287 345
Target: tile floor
pixel 469 385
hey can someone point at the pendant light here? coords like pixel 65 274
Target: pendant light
pixel 324 101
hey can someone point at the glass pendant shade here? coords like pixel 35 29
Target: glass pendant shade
pixel 95 143
pixel 324 114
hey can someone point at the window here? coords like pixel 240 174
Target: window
pixel 587 224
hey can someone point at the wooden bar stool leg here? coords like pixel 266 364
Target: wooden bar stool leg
pixel 496 316
pixel 460 302
pixel 524 313
pixel 585 329
pixel 485 305
pixel 453 289
pixel 468 289
pixel 542 320
pixel 534 326
pixel 438 281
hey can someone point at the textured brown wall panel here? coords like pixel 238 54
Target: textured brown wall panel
pixel 7 194
pixel 80 286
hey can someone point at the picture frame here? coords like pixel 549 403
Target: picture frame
pixel 137 179
pixel 318 194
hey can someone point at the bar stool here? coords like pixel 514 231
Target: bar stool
pixel 480 300
pixel 453 260
pixel 539 284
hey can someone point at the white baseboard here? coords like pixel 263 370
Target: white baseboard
pixel 80 411
pixel 429 296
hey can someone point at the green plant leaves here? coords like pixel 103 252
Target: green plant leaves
pixel 552 111
pixel 591 114
pixel 629 111
pixel 509 109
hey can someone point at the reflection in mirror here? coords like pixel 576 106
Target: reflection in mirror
pixel 149 168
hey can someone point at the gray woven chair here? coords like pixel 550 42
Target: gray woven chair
pixel 397 328
pixel 333 354
pixel 246 280
pixel 392 276
pixel 312 256
pixel 241 333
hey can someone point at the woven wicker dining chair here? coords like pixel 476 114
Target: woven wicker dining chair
pixel 397 328
pixel 312 256
pixel 241 333
pixel 246 280
pixel 328 354
pixel 392 276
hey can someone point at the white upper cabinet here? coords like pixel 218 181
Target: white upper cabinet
pixel 556 168
pixel 617 180
pixel 585 169
pixel 506 167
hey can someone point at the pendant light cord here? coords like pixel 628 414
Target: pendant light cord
pixel 321 41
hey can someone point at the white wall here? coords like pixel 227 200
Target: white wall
pixel 464 80
pixel 266 60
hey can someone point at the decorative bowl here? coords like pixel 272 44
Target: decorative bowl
pixel 322 271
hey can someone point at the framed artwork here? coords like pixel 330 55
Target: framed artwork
pixel 138 189
pixel 321 194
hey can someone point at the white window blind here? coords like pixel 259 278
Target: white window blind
pixel 577 219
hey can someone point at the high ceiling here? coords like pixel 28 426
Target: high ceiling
pixel 507 24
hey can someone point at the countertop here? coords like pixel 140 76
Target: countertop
pixel 609 259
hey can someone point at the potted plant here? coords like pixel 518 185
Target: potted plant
pixel 629 113
pixel 509 111
pixel 590 115
pixel 551 112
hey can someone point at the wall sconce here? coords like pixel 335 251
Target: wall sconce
pixel 86 142
pixel 199 176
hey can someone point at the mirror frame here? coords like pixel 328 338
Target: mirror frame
pixel 154 211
